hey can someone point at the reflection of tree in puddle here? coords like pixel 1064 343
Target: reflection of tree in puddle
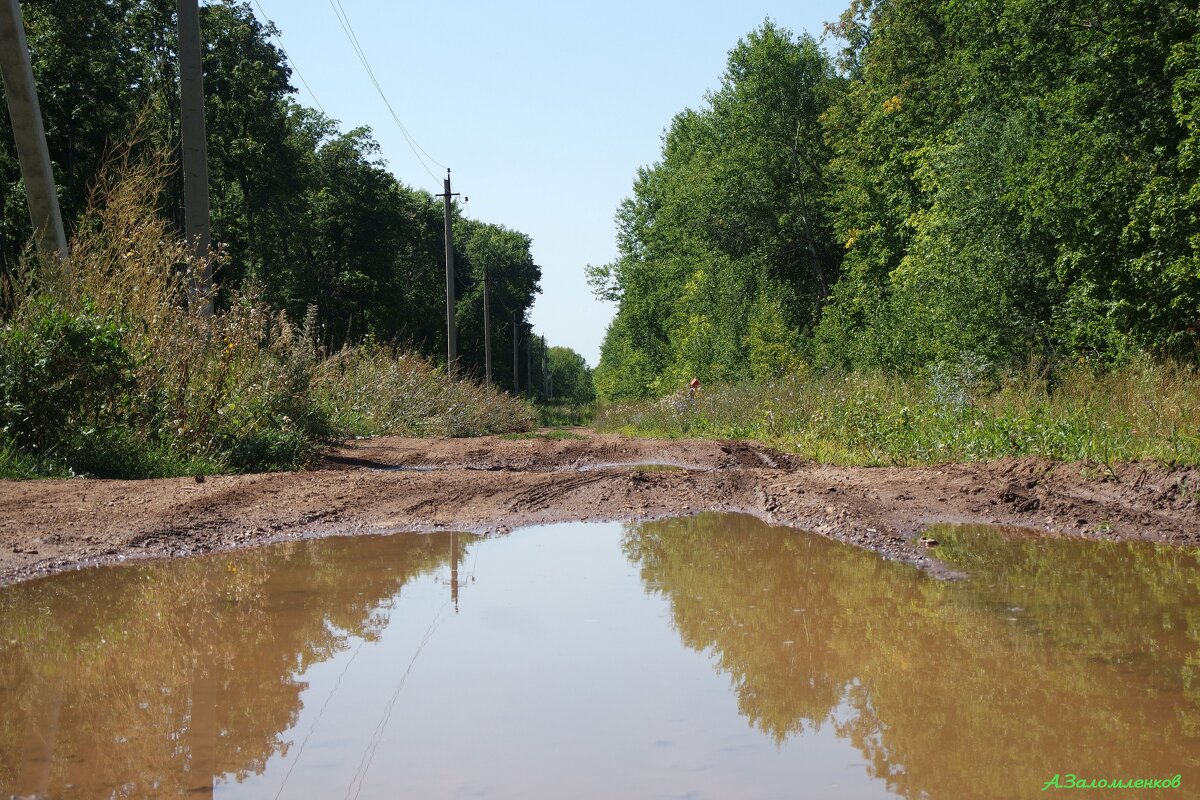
pixel 949 690
pixel 150 680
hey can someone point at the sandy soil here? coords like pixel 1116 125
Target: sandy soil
pixel 494 484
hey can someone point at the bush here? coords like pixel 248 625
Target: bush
pixel 62 376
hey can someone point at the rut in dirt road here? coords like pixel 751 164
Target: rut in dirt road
pixel 497 483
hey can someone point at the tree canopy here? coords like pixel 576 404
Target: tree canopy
pixel 305 212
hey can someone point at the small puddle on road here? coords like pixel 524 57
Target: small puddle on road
pixel 710 656
pixel 637 466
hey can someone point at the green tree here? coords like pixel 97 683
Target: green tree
pixel 504 256
pixel 570 376
pixel 733 214
pixel 304 213
pixel 1012 177
pixel 90 93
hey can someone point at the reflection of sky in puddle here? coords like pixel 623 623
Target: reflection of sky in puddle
pixel 701 657
pixel 558 677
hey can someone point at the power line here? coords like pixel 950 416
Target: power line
pixel 344 19
pixel 348 29
pixel 358 45
pixel 368 757
pixel 291 61
pixel 320 714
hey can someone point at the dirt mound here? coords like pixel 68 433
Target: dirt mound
pixel 496 483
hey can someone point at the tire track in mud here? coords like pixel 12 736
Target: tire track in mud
pixel 492 483
pixel 540 497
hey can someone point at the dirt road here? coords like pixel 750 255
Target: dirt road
pixel 495 484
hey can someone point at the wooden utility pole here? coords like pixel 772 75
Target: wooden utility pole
pixel 487 327
pixel 545 369
pixel 451 328
pixel 529 362
pixel 29 133
pixel 196 226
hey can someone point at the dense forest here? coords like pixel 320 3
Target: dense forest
pixel 962 186
pixel 305 213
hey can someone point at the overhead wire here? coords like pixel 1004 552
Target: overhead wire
pixel 320 714
pixel 340 12
pixel 344 19
pixel 291 61
pixel 371 72
pixel 368 757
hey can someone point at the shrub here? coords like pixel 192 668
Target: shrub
pixel 62 375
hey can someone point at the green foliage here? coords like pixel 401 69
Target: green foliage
pixel 726 251
pixel 502 257
pixel 570 377
pixel 558 415
pixel 978 182
pixel 770 342
pixel 19 464
pixel 997 169
pixel 305 214
pixel 115 377
pixel 626 370
pixel 60 374
pixel 76 402
pixel 371 389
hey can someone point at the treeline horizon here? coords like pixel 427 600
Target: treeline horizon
pixel 303 213
pixel 964 187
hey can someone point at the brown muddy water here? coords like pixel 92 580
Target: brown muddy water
pixel 705 657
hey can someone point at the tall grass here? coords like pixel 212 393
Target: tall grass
pixel 106 369
pixel 1143 410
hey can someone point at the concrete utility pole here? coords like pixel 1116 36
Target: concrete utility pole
pixel 545 369
pixel 451 328
pixel 196 226
pixel 487 327
pixel 516 364
pixel 529 362
pixel 29 133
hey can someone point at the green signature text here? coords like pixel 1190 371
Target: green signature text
pixel 1072 781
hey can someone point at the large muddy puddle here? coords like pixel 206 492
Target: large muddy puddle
pixel 708 657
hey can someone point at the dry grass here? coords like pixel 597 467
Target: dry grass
pixel 374 389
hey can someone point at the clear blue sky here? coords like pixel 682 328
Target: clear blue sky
pixel 544 111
